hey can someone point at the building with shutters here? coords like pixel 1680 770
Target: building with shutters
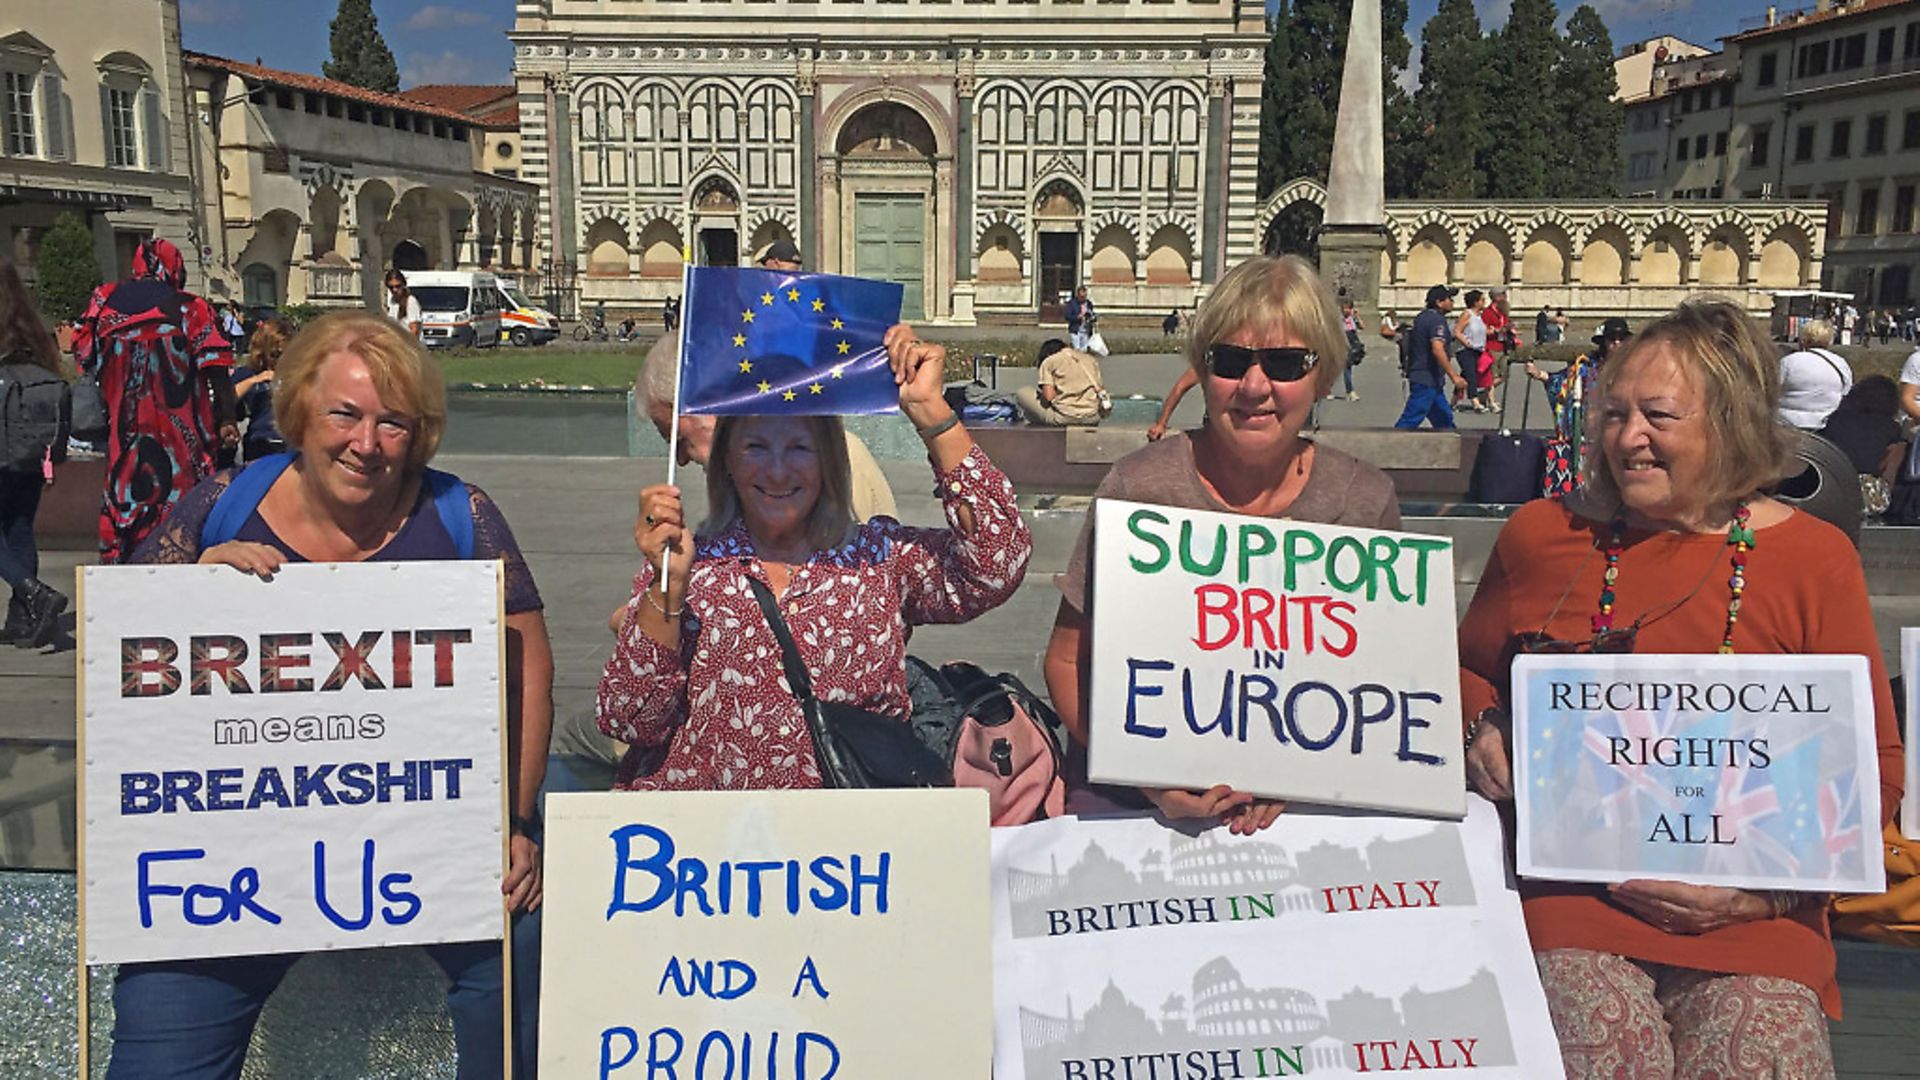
pixel 987 154
pixel 91 123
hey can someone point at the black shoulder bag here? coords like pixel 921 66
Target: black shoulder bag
pixel 854 748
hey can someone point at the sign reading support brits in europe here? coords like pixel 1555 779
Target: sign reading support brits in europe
pixel 312 762
pixel 1756 772
pixel 1287 659
pixel 1327 946
pixel 755 935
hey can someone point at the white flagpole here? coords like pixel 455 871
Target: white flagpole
pixel 673 429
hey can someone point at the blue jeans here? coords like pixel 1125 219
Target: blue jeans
pixel 19 502
pixel 1428 403
pixel 192 1019
pixel 1080 337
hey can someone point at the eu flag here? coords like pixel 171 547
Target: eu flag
pixel 770 342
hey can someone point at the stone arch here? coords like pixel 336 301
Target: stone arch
pixel 1430 250
pixel 608 243
pixel 1431 219
pixel 1554 216
pixel 1059 195
pixel 1298 190
pixel 1547 256
pixel 987 218
pixel 326 213
pixel 1294 229
pixel 887 129
pixel 924 107
pixel 768 232
pixel 1726 218
pixel 1001 249
pixel 272 246
pixel 1603 254
pixel 1492 218
pixel 1112 253
pixel 1114 218
pixel 1608 217
pixel 1170 256
pixel 660 245
pixel 1489 250
pixel 1666 252
pixel 1785 255
pixel 1724 252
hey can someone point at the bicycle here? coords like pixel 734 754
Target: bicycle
pixel 594 329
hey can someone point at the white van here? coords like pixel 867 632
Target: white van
pixel 521 320
pixel 457 307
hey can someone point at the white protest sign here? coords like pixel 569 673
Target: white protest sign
pixel 1910 672
pixel 1327 945
pixel 804 935
pixel 1288 659
pixel 1757 772
pixel 312 762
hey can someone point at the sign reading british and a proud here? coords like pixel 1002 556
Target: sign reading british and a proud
pixel 1756 772
pixel 1287 659
pixel 305 763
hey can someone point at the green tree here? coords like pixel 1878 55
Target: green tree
pixel 1277 96
pixel 1522 57
pixel 1586 159
pixel 1300 98
pixel 360 54
pixel 1452 104
pixel 67 270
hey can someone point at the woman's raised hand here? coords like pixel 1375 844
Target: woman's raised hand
pixel 920 370
pixel 260 560
pixel 659 529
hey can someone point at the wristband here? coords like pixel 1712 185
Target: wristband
pixel 952 421
pixel 1489 716
pixel 524 826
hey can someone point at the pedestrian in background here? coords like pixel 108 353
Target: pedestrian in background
pixel 1080 318
pixel 1429 365
pixel 401 305
pixel 33 438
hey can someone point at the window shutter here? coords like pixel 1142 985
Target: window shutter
pixel 106 125
pixel 53 117
pixel 154 128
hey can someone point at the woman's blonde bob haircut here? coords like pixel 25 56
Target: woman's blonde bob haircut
pixel 1282 293
pixel 406 378
pixel 1816 333
pixel 1735 365
pixel 830 522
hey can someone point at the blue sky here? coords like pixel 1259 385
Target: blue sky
pixel 438 42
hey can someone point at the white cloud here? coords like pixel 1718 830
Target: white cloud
pixel 423 69
pixel 211 12
pixel 443 17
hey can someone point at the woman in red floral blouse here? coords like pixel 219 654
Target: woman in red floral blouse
pixel 695 684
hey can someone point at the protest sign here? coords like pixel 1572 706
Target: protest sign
pixel 312 762
pixel 1910 671
pixel 1757 772
pixel 1287 659
pixel 1328 944
pixel 747 935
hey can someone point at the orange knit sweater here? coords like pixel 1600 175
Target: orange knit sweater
pixel 1805 593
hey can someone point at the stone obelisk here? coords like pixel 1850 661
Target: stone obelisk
pixel 1353 232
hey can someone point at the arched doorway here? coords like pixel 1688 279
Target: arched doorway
pixel 1295 230
pixel 409 255
pixel 1057 214
pixel 716 230
pixel 885 154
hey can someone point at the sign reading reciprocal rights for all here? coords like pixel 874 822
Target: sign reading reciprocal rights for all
pixel 1287 659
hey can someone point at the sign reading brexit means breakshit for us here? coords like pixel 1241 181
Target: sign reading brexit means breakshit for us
pixel 766 935
pixel 311 762
pixel 1757 772
pixel 1287 659
pixel 1328 945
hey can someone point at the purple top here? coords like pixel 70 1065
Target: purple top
pixel 421 537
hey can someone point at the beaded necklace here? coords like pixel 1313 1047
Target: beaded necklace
pixel 1739 538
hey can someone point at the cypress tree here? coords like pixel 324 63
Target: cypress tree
pixel 1586 158
pixel 360 54
pixel 67 271
pixel 1300 101
pixel 1276 102
pixel 1522 57
pixel 1452 103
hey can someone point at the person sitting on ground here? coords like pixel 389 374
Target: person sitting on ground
pixel 1068 390
pixel 1265 346
pixel 253 385
pixel 1813 378
pixel 364 408
pixel 1662 978
pixel 695 684
pixel 1170 325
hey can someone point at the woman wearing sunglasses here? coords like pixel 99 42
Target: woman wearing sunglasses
pixel 1264 347
pixel 1673 546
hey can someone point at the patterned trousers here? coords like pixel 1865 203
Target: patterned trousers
pixel 1631 1020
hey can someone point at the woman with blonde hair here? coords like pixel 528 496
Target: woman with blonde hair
pixel 1674 546
pixel 1813 378
pixel 363 408
pixel 1265 346
pixel 253 386
pixel 34 388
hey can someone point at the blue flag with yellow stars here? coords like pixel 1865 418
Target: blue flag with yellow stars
pixel 773 342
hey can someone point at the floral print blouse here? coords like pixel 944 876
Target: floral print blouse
pixel 717 714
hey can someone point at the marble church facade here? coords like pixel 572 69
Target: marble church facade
pixel 987 154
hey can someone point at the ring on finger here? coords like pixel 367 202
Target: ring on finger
pixel 650 520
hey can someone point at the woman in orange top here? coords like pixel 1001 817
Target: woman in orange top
pixel 1673 547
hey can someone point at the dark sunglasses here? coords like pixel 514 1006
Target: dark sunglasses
pixel 1288 364
pixel 1606 641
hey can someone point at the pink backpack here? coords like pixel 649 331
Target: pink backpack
pixel 997 734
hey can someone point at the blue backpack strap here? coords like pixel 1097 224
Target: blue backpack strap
pixel 243 494
pixel 455 507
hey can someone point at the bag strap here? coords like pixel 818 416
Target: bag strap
pixel 251 484
pixel 1831 362
pixel 797 679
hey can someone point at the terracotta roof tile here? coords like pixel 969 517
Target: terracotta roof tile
pixel 297 81
pixel 460 97
pixel 1811 18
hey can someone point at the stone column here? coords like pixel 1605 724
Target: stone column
pixel 565 240
pixel 1213 189
pixel 809 239
pixel 962 311
pixel 1243 167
